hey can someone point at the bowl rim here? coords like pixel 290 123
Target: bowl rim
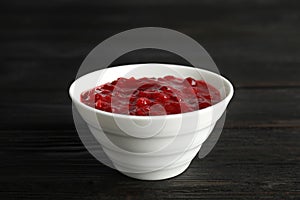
pixel 109 114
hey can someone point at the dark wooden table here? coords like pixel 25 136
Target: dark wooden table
pixel 256 44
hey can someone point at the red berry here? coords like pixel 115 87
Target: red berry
pixel 108 86
pixel 161 97
pixel 166 89
pixel 105 92
pixel 169 78
pixel 97 97
pixel 131 82
pixel 142 111
pixel 172 108
pixel 142 102
pixel 98 104
pixel 141 94
pixel 204 105
pixel 114 82
pixel 191 81
pixel 149 86
pixel 106 98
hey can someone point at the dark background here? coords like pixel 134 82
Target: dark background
pixel 256 44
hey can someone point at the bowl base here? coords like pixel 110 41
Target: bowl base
pixel 159 174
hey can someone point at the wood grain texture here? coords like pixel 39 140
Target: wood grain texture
pixel 256 44
pixel 245 163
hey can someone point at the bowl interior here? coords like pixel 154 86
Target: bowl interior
pixel 99 77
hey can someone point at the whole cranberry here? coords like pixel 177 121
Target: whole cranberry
pixel 191 81
pixel 142 102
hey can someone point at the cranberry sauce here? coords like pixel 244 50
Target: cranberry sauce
pixel 151 96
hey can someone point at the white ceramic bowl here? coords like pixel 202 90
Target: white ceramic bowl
pixel 151 147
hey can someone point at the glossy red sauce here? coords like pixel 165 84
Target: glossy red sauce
pixel 151 96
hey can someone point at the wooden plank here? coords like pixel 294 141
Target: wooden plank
pixel 251 163
pixel 57 74
pixel 255 54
